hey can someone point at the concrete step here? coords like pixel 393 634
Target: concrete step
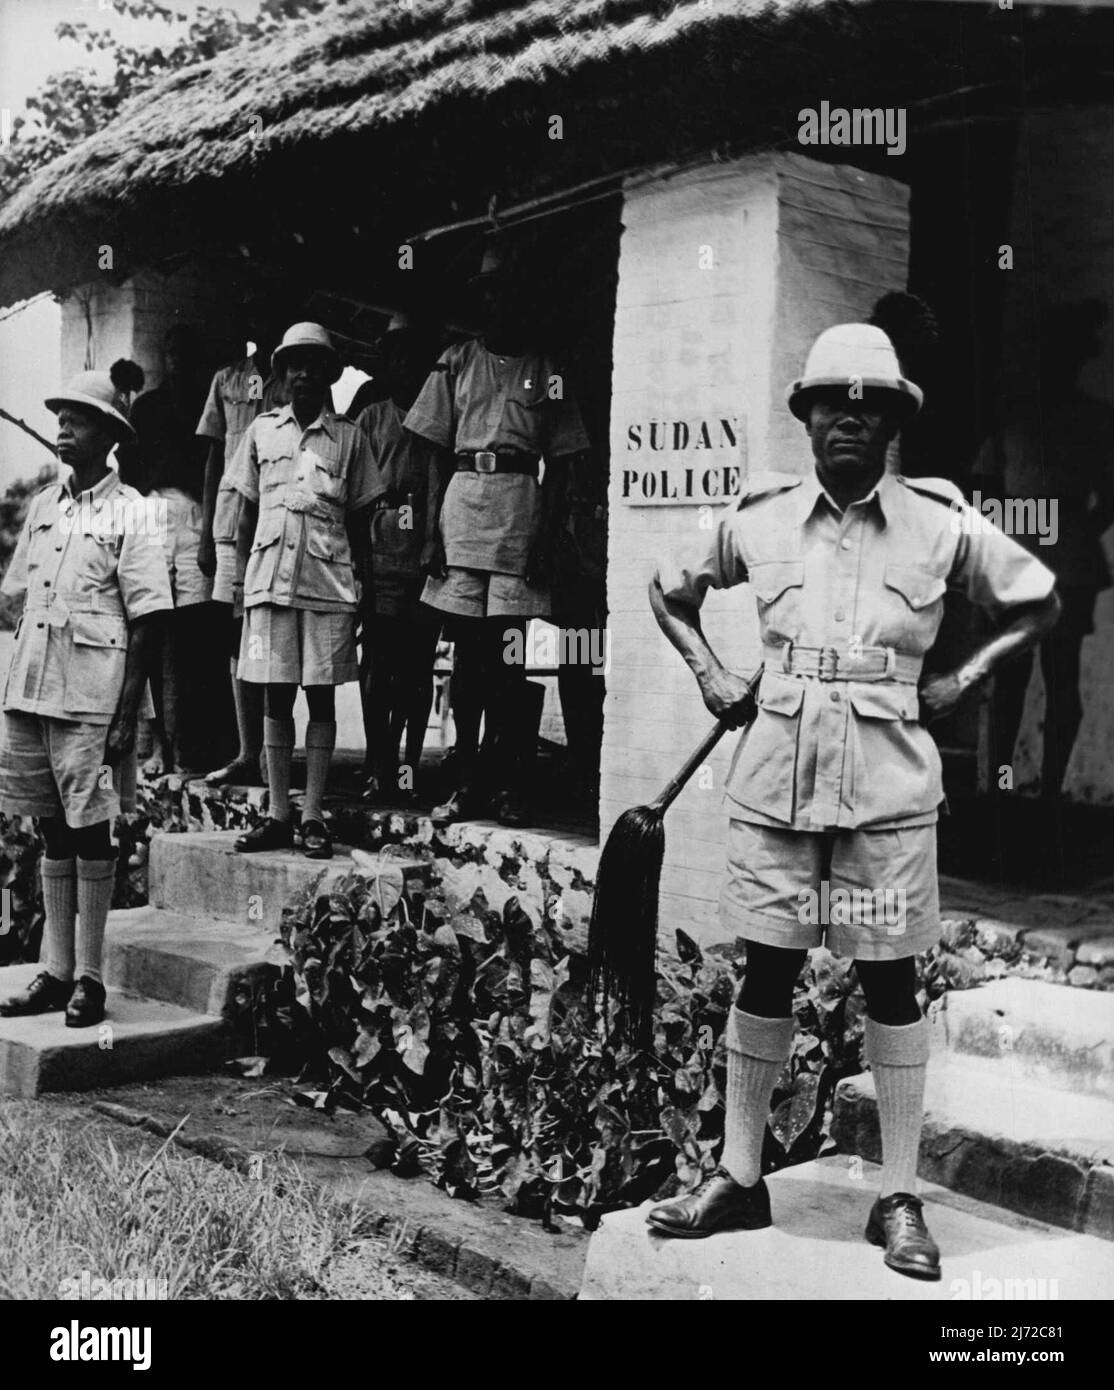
pixel 995 1134
pixel 140 1039
pixel 201 875
pixel 816 1250
pixel 1061 1037
pixel 196 963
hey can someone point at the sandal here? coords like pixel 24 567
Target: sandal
pixel 317 843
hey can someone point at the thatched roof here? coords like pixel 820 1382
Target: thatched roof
pixel 401 116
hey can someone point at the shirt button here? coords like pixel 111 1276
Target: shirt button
pixel 845 544
pixel 839 615
pixel 290 545
pixel 46 583
pixel 57 547
pixel 38 624
pixel 834 697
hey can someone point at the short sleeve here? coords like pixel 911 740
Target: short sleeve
pixel 242 472
pixel 362 484
pixel 565 432
pixel 991 568
pixel 433 414
pixel 693 570
pixel 141 570
pixel 212 424
pixel 14 585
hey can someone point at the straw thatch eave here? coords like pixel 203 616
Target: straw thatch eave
pixel 397 118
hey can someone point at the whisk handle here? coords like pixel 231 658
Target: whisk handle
pixel 699 755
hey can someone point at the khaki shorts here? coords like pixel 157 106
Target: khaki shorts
pixel 873 894
pixel 481 594
pixel 297 646
pixel 56 767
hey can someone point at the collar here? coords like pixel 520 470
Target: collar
pixel 326 421
pixel 880 496
pixel 94 494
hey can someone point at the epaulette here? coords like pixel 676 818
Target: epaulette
pixel 939 489
pixel 269 414
pixel 761 484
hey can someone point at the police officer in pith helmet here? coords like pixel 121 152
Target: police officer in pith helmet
pixel 836 783
pixel 90 570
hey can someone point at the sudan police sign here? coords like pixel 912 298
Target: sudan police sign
pixel 678 462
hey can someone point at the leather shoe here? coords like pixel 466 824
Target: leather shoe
pixel 272 834
pixel 43 994
pixel 86 1005
pixel 896 1223
pixel 718 1204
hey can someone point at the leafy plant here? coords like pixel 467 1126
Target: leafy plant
pixel 472 1040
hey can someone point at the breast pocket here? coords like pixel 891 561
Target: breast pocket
pixel 777 586
pixel 323 475
pixel 98 553
pixel 914 607
pixel 39 543
pixel 95 671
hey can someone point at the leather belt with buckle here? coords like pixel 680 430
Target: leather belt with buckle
pixel 832 664
pixel 486 461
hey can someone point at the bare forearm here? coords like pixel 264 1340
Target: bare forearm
pixel 681 624
pixel 214 471
pixel 245 534
pixel 144 638
pixel 1026 629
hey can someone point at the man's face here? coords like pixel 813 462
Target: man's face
pixel 406 359
pixel 849 437
pixel 308 375
pixel 84 436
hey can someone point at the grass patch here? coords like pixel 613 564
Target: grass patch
pixel 77 1195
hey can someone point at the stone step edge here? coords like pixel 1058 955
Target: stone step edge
pixel 433 1247
pixel 1088 1210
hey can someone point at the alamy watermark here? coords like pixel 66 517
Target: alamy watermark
pixel 858 907
pixel 981 1287
pixel 123 516
pixel 837 125
pixel 92 1288
pixel 545 645
pixel 1013 516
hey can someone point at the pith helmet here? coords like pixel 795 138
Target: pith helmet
pixel 853 353
pixel 94 391
pixel 306 335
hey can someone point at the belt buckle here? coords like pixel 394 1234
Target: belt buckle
pixel 485 461
pixel 828 664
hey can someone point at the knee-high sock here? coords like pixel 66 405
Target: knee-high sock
pixel 898 1057
pixel 278 743
pixel 59 915
pixel 321 737
pixel 94 897
pixel 757 1049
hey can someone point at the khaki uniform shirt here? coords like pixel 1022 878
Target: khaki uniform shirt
pixel 475 400
pixel 845 753
pixel 237 395
pixel 304 482
pixel 405 467
pixel 84 568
